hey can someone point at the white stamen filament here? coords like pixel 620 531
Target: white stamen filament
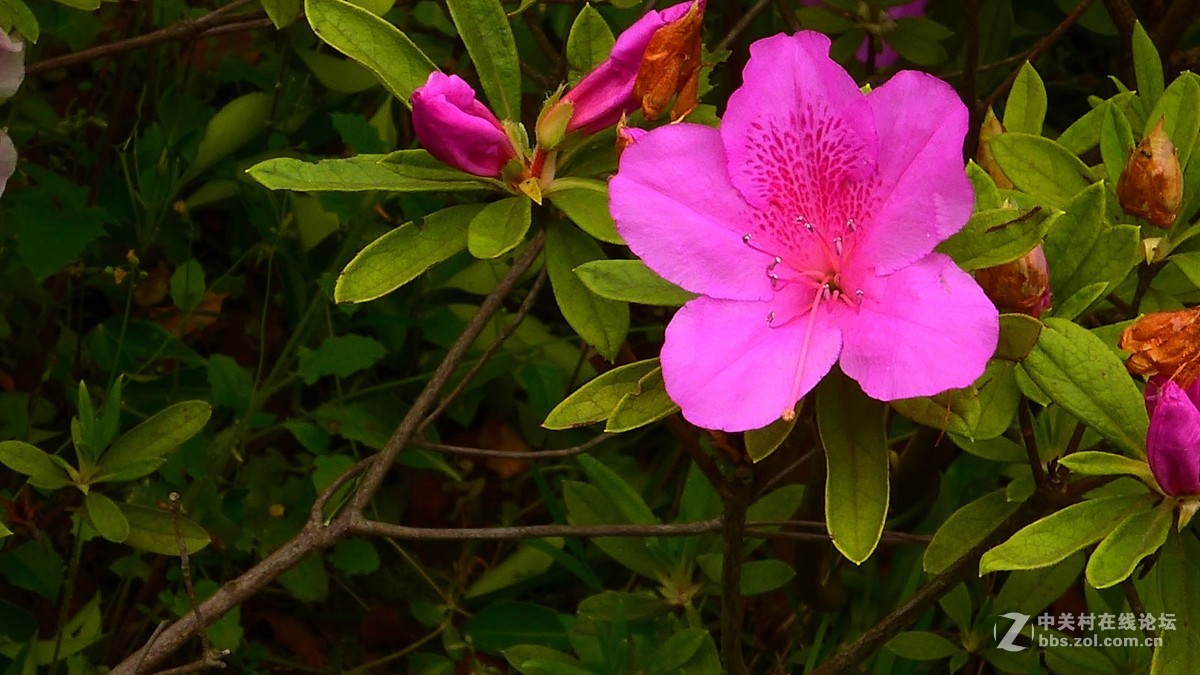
pixel 789 414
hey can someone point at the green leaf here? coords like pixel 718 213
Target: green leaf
pixel 922 646
pixel 1078 303
pixel 281 12
pixel 44 470
pixel 239 122
pixel 602 323
pixel 355 556
pixel 341 75
pixel 760 443
pixel 1058 535
pixel 403 254
pixel 1116 142
pixel 161 531
pixel 1031 591
pixel 522 657
pixel 955 411
pixel 648 403
pixel 341 355
pixel 631 281
pixel 378 45
pixel 1092 463
pixel 916 39
pixel 1083 375
pixel 187 286
pixel 822 20
pixel 628 502
pixel 157 436
pixel 997 236
pixel 1084 133
pixel 852 432
pixel 675 652
pixel 503 625
pixel 231 384
pixel 1084 248
pixel 22 18
pixel 1041 167
pixel 1180 590
pixel 965 528
pixel 526 563
pixel 1018 335
pixel 596 400
pixel 1147 68
pixel 1026 108
pixel 419 173
pixel 1180 114
pixel 499 227
pixel 757 577
pixel 106 517
pixel 587 505
pixel 483 27
pixel 1139 535
pixel 585 202
pixel 588 43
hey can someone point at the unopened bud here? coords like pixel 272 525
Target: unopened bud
pixel 1151 186
pixel 1166 344
pixel 670 67
pixel 552 123
pixel 1022 285
pixel 990 129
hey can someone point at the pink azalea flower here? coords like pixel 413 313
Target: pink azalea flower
pixel 459 130
pixel 12 64
pixel 887 56
pixel 807 224
pixel 1173 441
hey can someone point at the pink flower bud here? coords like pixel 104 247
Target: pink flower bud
pixel 606 93
pixel 459 130
pixel 12 65
pixel 1173 441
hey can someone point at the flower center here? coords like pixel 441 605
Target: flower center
pixel 821 273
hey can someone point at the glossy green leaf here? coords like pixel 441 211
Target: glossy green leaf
pixel 1031 591
pixel 1060 534
pixel 1084 248
pixel 106 517
pixel 1083 375
pixel 340 355
pixel 1116 142
pixel 403 254
pixel 1180 115
pixel 1147 68
pixel 43 469
pixel 231 384
pixel 602 323
pixel 1180 590
pixel 158 435
pixel 1084 133
pixel 1070 308
pixel 596 400
pixel 338 74
pixel 998 236
pixel 648 403
pixel 281 12
pixel 1026 108
pixel 1018 335
pixel 526 563
pixel 922 646
pixel 1092 463
pixel 1041 167
pixel 587 505
pixel 757 576
pixel 404 171
pixel 588 43
pixel 999 397
pixel 483 27
pixel 355 556
pixel 187 286
pixel 631 281
pixel 585 202
pixel 499 227
pixel 955 411
pixel 162 532
pixel 1139 535
pixel 240 121
pixel 618 492
pixel 965 528
pixel 378 45
pixel 760 443
pixel 538 660
pixel 851 426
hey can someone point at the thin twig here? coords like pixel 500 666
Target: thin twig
pixel 180 30
pixel 532 454
pixel 363 526
pixel 1123 17
pixel 732 539
pixel 1135 604
pixel 1031 449
pixel 1040 48
pixel 742 24
pixel 970 75
pixel 885 539
pixel 1174 24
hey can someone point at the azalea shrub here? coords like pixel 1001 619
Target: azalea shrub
pixel 555 337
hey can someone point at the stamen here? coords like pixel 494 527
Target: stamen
pixel 770 317
pixel 746 238
pixel 789 414
pixel 859 293
pixel 850 224
pixel 837 244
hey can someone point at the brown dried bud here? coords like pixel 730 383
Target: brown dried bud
pixel 1165 343
pixel 1022 285
pixel 671 65
pixel 1151 186
pixel 990 129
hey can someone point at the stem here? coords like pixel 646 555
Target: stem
pixel 1031 449
pixel 1135 604
pixel 731 576
pixel 1123 17
pixel 970 74
pixel 64 607
pixel 1041 47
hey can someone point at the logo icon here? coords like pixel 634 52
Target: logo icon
pixel 1008 642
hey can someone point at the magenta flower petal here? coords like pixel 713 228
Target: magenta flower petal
pixel 919 331
pixel 924 192
pixel 1173 442
pixel 681 215
pixel 457 129
pixel 797 131
pixel 727 369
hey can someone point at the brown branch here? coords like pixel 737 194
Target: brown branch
pixel 1031 449
pixel 732 538
pixel 1174 24
pixel 742 24
pixel 1123 17
pixel 362 526
pixel 968 86
pixel 1040 48
pixel 505 454
pixel 180 30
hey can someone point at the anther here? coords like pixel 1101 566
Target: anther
pixel 770 317
pixel 859 293
pixel 837 244
pixel 746 238
pixel 850 224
